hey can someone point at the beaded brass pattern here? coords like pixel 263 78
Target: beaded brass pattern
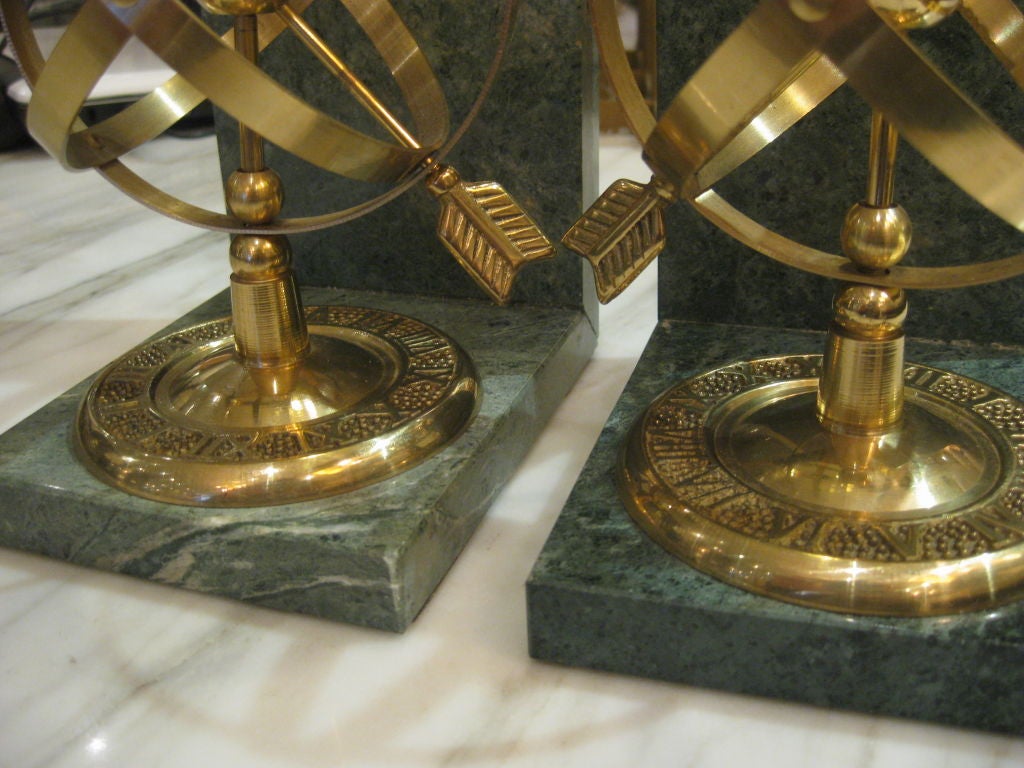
pixel 123 407
pixel 677 488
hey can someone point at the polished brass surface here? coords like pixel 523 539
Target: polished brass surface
pixel 730 471
pixel 182 420
pixel 265 304
pixel 914 14
pixel 250 143
pixel 881 162
pixel 309 37
pixel 211 69
pixel 487 232
pixel 231 79
pixel 621 233
pixel 861 386
pixel 778 65
pixel 265 409
pixel 240 7
pixel 216 70
pixel 271 339
pixel 254 196
pixel 855 482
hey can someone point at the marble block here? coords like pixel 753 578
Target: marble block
pixel 370 557
pixel 527 137
pixel 605 596
pixel 804 182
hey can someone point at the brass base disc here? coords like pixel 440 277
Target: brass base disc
pixel 730 471
pixel 181 420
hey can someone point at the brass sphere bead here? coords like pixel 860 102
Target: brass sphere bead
pixel 255 197
pixel 876 238
pixel 259 256
pixel 870 310
pixel 917 14
pixel 811 10
pixel 240 7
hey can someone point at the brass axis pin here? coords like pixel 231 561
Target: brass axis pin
pixel 270 331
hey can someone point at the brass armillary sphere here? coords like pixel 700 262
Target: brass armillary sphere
pixel 279 403
pixel 851 481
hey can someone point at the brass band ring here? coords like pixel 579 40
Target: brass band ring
pixel 368 14
pixel 141 121
pixel 214 69
pixel 693 148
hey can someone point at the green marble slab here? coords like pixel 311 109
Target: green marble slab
pixel 603 595
pixel 804 182
pixel 370 557
pixel 527 136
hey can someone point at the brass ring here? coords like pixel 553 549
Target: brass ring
pixel 141 121
pixel 214 69
pixel 693 148
pixel 31 62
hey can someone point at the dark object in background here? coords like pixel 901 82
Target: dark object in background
pixel 48 17
pixel 12 129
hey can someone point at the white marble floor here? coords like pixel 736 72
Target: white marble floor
pixel 97 669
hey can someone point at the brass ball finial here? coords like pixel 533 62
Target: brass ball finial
pixel 917 14
pixel 870 311
pixel 255 197
pixel 876 238
pixel 259 256
pixel 811 10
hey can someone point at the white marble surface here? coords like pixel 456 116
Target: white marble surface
pixel 103 670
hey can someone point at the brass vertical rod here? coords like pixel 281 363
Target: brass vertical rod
pixel 271 337
pixel 364 95
pixel 250 142
pixel 881 162
pixel 860 391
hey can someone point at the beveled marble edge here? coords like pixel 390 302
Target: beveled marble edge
pixel 633 603
pixel 372 556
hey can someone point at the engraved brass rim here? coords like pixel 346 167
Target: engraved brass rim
pixel 180 420
pixel 963 552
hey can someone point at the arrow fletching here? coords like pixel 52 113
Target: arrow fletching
pixel 487 232
pixel 621 233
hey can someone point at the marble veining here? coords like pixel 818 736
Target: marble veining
pixel 97 669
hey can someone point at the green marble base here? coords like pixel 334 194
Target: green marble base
pixel 602 595
pixel 370 557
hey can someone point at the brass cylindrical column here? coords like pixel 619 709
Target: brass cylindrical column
pixel 270 330
pixel 860 391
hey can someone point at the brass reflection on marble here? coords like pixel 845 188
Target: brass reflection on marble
pixel 853 481
pixel 280 403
